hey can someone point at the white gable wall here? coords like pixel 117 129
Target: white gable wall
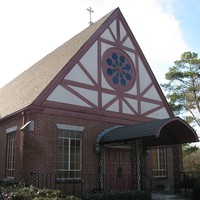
pixel 97 92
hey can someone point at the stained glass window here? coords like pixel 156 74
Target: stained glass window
pixel 118 69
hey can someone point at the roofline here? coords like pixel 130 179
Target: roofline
pixel 158 88
pixel 180 120
pixel 157 131
pixel 12 115
pixel 25 109
pixel 85 46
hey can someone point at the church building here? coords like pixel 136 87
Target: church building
pixel 91 116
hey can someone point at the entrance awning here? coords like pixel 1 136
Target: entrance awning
pixel 160 132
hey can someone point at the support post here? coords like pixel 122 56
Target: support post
pixel 136 164
pixel 101 168
pixel 176 168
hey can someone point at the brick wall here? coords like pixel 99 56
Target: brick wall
pixel 36 150
pixel 40 145
pixel 15 121
pixel 168 182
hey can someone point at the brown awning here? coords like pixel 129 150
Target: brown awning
pixel 160 132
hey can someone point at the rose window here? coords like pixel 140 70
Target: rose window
pixel 118 69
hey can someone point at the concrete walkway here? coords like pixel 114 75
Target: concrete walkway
pixel 167 196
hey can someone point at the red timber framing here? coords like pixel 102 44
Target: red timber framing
pixel 87 87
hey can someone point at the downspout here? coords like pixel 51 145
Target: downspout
pixel 21 147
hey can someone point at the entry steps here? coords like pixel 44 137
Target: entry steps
pixel 167 196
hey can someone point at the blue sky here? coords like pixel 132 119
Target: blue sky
pixel 30 29
pixel 187 12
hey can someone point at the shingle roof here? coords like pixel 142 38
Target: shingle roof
pixel 159 132
pixel 25 88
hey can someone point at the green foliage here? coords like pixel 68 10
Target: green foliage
pixel 191 162
pixel 183 87
pixel 131 195
pixel 20 191
pixel 187 149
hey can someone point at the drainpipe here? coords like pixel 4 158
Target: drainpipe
pixel 21 147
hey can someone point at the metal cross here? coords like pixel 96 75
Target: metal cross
pixel 90 11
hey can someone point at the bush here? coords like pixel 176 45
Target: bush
pixel 20 191
pixel 118 196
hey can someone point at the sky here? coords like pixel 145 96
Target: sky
pixel 31 29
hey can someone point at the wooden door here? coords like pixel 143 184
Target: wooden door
pixel 117 169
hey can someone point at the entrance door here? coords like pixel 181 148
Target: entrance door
pixel 117 169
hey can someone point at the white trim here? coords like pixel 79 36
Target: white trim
pixel 159 169
pixel 70 127
pixel 78 130
pixel 9 130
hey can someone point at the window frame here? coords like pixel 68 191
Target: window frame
pixel 10 152
pixel 64 174
pixel 158 163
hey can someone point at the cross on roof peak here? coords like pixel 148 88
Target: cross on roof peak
pixel 90 12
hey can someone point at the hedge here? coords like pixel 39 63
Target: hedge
pixel 20 191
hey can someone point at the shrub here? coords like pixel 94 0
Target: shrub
pixel 20 191
pixel 131 195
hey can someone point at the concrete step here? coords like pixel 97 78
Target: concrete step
pixel 166 196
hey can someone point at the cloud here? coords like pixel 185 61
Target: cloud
pixel 157 31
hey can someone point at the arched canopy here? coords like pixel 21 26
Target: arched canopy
pixel 160 132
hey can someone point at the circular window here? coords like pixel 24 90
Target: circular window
pixel 118 69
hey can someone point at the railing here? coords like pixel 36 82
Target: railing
pixel 146 183
pixel 88 183
pixel 188 181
